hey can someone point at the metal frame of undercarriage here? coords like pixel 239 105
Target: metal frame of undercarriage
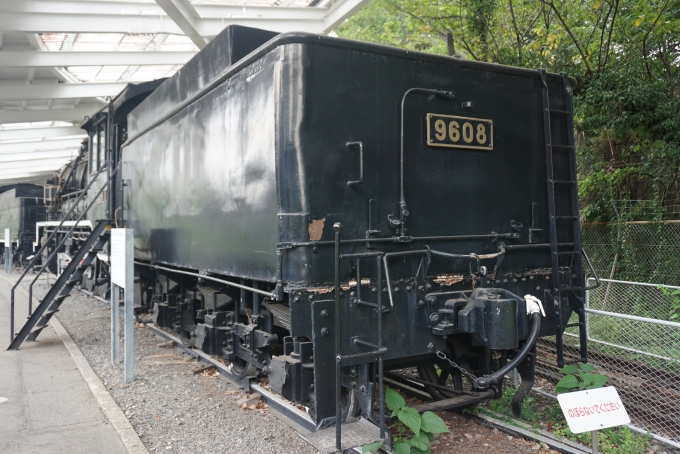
pixel 291 412
pixel 302 420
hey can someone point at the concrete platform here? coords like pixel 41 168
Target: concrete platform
pixel 49 407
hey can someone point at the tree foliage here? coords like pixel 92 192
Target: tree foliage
pixel 624 54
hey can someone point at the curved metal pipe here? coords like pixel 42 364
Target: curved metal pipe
pixel 403 211
pixel 488 380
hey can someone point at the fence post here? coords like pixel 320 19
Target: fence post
pixel 587 306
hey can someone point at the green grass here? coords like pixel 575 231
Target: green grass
pixel 542 413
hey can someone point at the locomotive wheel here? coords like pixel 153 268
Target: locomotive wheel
pixel 242 368
pixel 444 375
pixel 350 405
pixel 187 339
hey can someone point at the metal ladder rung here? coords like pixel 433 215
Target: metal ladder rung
pixel 570 289
pixel 573 325
pixel 563 181
pixel 569 253
pixel 562 147
pixel 560 112
pixel 580 360
pixel 50 313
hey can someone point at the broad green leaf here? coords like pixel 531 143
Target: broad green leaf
pixel 402 448
pixel 432 423
pixel 587 367
pixel 395 412
pixel 561 389
pixel 568 381
pixel 569 369
pixel 415 450
pixel 420 441
pixel 598 381
pixel 587 378
pixel 411 418
pixel 372 447
pixel 393 400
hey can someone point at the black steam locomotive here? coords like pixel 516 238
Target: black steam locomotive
pixel 21 207
pixel 106 131
pixel 320 211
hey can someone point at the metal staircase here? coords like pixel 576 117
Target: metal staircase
pixel 94 243
pixel 63 285
pixel 575 286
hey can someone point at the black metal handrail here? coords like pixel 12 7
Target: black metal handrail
pixel 377 351
pixel 68 234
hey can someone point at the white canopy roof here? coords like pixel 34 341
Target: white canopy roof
pixel 60 60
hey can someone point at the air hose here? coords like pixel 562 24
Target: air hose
pixel 535 309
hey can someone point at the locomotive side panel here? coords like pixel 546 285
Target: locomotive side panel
pixel 230 46
pixel 202 185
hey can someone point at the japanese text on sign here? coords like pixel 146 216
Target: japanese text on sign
pixel 593 409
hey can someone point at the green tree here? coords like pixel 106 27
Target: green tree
pixel 624 54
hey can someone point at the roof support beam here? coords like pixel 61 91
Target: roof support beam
pixel 341 11
pixel 11 168
pixel 90 23
pixel 20 59
pixel 147 10
pixel 59 91
pixel 38 145
pixel 40 133
pixel 41 155
pixel 27 116
pixel 29 177
pixel 185 16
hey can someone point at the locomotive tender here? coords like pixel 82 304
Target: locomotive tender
pixel 21 206
pixel 321 211
pixel 321 206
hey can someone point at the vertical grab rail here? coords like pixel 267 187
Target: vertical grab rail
pixel 338 386
pixel 378 350
pixel 44 246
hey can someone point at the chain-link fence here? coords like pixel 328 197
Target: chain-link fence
pixel 634 251
pixel 631 335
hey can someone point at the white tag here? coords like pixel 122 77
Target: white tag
pixel 593 409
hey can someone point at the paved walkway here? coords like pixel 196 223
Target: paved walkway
pixel 49 407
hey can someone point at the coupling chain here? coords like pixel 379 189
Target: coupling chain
pixel 471 377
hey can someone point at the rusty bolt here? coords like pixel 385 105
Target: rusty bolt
pixel 324 331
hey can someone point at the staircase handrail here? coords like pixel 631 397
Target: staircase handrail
pixel 106 165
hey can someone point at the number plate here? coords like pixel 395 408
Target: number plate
pixel 459 132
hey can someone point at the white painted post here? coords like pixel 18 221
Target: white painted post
pixel 129 312
pixel 115 324
pixel 8 251
pixel 122 275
